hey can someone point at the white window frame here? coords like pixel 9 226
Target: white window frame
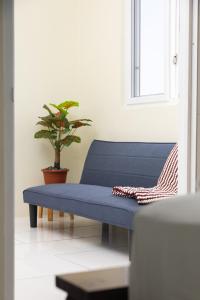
pixel 171 70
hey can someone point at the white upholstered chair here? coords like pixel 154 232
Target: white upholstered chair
pixel 166 255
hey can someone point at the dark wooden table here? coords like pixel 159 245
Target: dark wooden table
pixel 108 284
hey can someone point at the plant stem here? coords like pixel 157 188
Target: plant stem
pixel 57 159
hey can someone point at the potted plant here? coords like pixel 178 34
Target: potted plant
pixel 60 131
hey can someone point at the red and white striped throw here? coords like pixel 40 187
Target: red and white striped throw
pixel 167 185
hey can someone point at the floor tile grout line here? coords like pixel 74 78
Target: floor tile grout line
pixel 61 239
pixel 51 275
pixel 53 241
pixel 35 277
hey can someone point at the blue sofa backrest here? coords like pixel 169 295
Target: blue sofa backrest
pixel 125 163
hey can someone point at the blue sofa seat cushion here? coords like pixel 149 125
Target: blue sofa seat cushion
pixel 92 201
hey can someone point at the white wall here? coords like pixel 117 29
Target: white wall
pixel 46 48
pixel 75 49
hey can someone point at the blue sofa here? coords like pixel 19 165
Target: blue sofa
pixel 107 164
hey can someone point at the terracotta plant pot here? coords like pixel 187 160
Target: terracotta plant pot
pixel 55 176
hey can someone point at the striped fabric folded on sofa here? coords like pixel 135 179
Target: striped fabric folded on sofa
pixel 167 185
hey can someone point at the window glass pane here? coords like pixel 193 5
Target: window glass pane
pixel 151 43
pixel 152 67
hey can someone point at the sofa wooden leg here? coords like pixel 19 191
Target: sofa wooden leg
pixel 61 214
pixel 130 240
pixel 50 214
pixel 33 215
pixel 105 233
pixel 71 218
pixel 40 215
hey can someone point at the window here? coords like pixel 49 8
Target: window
pixel 154 50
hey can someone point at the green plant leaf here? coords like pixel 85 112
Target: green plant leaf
pixel 68 104
pixel 61 115
pixel 79 124
pixel 53 122
pixel 81 120
pixel 68 140
pixel 59 122
pixel 65 130
pixel 60 109
pixel 48 109
pixel 66 124
pixel 46 134
pixel 45 123
pixel 47 118
pixel 42 123
pixel 48 121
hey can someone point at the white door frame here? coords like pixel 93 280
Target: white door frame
pixel 195 42
pixel 188 95
pixel 7 150
pixel 198 113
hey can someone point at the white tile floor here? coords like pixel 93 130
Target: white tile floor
pixel 55 248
